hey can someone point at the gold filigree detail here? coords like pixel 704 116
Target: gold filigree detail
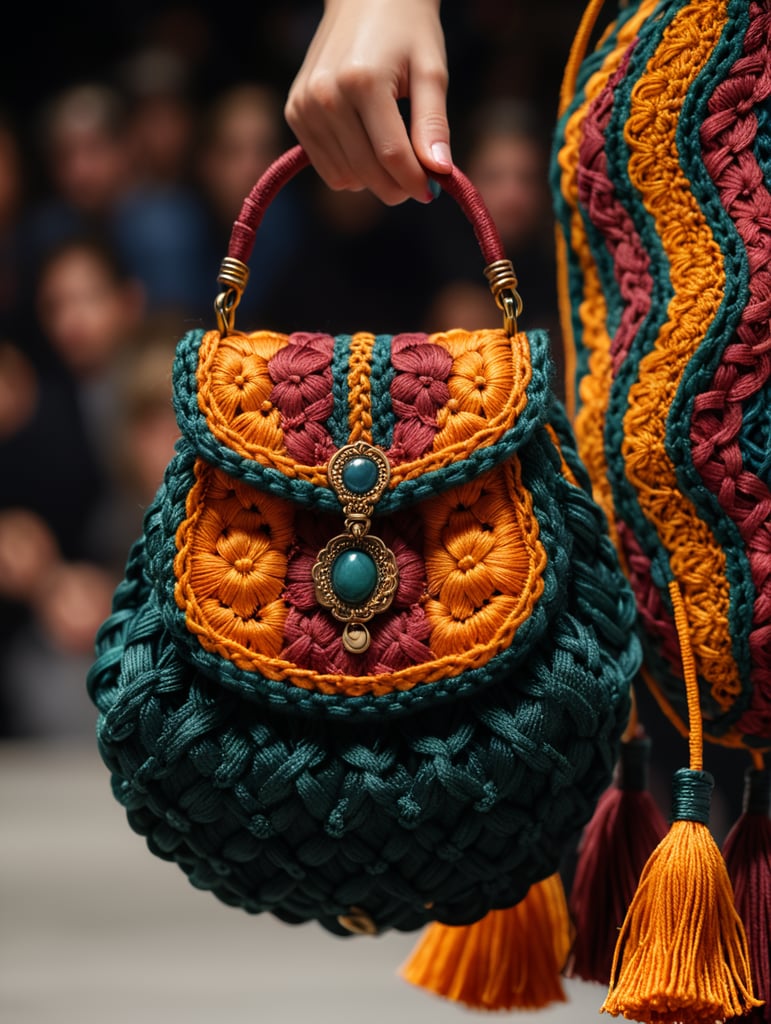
pixel 358 504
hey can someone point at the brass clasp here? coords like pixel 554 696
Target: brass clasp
pixel 233 275
pixel 503 284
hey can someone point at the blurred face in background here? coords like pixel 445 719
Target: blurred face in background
pixel 243 139
pixel 86 150
pixel 85 308
pixel 510 173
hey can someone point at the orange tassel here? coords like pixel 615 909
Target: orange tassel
pixel 511 959
pixel 625 828
pixel 682 954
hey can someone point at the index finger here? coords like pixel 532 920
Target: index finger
pixel 377 107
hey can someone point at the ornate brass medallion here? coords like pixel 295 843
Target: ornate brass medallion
pixel 355 575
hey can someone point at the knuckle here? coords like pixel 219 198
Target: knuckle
pixel 356 78
pixel 318 92
pixel 323 92
pixel 391 154
pixel 291 111
pixel 342 183
pixel 437 76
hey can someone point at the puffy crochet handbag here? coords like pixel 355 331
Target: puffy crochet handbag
pixel 371 659
pixel 662 183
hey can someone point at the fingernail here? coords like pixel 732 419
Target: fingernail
pixel 440 151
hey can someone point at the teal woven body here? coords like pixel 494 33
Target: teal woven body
pixel 439 782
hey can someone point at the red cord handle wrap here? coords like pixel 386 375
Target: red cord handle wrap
pixel 234 273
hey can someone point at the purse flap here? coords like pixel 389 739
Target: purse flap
pixel 272 409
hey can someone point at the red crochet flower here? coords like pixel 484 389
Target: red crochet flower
pixel 418 391
pixel 302 392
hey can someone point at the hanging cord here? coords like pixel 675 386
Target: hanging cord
pixel 578 50
pixel 695 734
pixel 682 954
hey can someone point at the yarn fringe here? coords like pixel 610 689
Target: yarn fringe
pixel 682 953
pixel 511 959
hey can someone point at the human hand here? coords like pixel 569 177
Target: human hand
pixel 343 105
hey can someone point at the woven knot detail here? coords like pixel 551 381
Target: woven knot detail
pixel 726 410
pixel 418 391
pixel 302 392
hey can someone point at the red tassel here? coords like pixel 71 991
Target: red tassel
pixel 625 829
pixel 747 853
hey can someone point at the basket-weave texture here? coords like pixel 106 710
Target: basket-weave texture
pixel 421 797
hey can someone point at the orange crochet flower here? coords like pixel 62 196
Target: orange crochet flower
pixel 477 556
pixel 237 562
pixel 238 389
pixel 480 385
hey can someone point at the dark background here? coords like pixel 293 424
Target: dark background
pixel 494 47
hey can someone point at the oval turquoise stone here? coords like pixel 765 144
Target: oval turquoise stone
pixel 360 474
pixel 354 576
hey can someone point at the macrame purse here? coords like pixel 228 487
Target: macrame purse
pixel 662 183
pixel 371 658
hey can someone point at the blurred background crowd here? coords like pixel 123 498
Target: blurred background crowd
pixel 129 136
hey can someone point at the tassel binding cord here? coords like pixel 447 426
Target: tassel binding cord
pixel 682 955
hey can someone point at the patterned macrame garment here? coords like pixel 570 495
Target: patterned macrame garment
pixel 662 179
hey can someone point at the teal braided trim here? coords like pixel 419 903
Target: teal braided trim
pixel 562 427
pixel 698 374
pixel 337 424
pixel 603 593
pixel 755 435
pixel 193 426
pixel 102 680
pixel 184 390
pixel 382 374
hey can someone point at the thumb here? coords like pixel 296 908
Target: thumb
pixel 429 128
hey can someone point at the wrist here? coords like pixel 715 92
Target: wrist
pixel 361 6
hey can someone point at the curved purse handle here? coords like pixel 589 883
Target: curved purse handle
pixel 234 271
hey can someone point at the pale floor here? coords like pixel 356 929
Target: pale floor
pixel 93 928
